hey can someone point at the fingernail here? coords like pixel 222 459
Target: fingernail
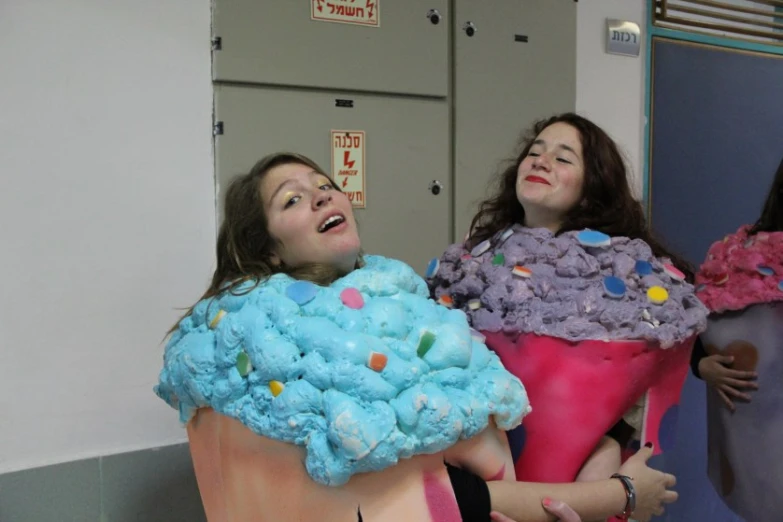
pixel 547 502
pixel 648 445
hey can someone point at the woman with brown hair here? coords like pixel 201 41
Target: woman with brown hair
pixel 563 277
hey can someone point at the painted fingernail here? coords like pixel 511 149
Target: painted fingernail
pixel 547 502
pixel 648 445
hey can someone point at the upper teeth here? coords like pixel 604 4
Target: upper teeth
pixel 329 222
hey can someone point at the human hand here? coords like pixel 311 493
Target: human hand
pixel 716 371
pixel 555 507
pixel 652 486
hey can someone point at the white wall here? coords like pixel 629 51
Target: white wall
pixel 610 89
pixel 106 217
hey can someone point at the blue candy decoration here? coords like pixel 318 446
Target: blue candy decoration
pixel 302 292
pixel 593 238
pixel 432 268
pixel 643 268
pixel 614 286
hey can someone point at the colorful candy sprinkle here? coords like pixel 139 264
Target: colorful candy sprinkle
pixel 505 235
pixel 657 295
pixel 276 387
pixel 465 257
pixel 479 337
pixel 643 268
pixel 780 286
pixel 673 272
pixel 377 361
pixel 352 298
pixel 765 270
pixel 425 343
pixel 701 287
pixel 748 243
pixel 521 271
pixel 244 366
pixel 474 304
pixel 614 287
pixel 301 292
pixel 446 301
pixel 480 248
pixel 593 238
pixel 218 317
pixel 432 268
pixel 498 260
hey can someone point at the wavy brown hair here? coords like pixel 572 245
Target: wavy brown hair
pixel 606 204
pixel 244 245
pixel 771 219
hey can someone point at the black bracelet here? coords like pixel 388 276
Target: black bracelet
pixel 630 496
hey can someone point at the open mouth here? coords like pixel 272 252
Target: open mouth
pixel 331 222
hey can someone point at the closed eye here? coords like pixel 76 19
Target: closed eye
pixel 563 160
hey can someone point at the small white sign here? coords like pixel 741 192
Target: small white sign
pixel 348 163
pixel 357 12
pixel 623 37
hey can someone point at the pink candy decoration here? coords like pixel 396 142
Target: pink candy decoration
pixel 352 298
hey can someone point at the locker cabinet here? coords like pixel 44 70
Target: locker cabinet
pixel 276 42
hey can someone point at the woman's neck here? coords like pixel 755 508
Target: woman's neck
pixel 551 223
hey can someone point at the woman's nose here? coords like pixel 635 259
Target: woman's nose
pixel 541 162
pixel 322 199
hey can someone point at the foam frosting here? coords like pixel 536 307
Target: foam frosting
pixel 530 281
pixel 359 379
pixel 742 270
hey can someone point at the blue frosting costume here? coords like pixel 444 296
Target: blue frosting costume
pixel 361 373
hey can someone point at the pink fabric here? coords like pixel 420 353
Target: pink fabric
pixel 578 391
pixel 440 500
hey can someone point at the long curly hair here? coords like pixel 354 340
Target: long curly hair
pixel 606 203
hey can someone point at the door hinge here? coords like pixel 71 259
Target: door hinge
pixel 217 43
pixel 217 128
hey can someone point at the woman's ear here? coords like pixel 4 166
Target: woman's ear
pixel 275 261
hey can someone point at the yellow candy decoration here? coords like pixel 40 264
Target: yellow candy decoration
pixel 657 295
pixel 218 317
pixel 276 387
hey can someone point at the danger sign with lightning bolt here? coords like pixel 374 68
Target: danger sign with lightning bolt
pixel 348 164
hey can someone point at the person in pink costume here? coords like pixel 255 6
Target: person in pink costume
pixel 741 282
pixel 563 278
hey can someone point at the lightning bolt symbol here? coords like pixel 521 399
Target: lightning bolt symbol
pixel 348 163
pixel 370 6
pixel 320 7
pixel 345 182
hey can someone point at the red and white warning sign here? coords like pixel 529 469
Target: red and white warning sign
pixel 348 165
pixel 358 12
